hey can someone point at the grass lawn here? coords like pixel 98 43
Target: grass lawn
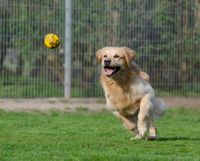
pixel 88 136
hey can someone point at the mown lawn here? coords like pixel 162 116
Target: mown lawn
pixel 89 136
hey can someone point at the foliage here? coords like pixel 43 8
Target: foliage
pixel 165 33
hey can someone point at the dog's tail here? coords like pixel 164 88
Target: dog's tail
pixel 160 107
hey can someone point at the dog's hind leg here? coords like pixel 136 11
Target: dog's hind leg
pixel 152 130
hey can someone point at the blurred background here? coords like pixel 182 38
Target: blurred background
pixel 165 34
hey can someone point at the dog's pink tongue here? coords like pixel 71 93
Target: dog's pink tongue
pixel 109 71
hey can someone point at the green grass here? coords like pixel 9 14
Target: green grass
pixel 23 87
pixel 186 91
pixel 96 136
pixel 28 87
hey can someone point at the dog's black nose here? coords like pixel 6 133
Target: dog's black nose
pixel 107 61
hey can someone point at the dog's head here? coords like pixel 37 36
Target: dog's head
pixel 115 59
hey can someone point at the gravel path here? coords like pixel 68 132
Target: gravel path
pixel 60 104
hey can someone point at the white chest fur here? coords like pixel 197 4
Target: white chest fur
pixel 126 100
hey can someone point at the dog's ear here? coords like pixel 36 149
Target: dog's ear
pixel 129 55
pixel 99 56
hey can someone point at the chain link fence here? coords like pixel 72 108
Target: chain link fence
pixel 165 34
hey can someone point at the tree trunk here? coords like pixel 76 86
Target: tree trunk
pixel 113 21
pixel 197 16
pixel 3 25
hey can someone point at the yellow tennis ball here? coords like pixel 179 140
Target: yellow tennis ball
pixel 51 41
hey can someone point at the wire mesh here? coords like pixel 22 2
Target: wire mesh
pixel 165 34
pixel 27 68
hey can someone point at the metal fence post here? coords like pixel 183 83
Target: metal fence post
pixel 67 63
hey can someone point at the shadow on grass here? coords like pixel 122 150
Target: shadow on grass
pixel 178 139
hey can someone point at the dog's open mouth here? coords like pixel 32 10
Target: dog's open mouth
pixel 111 70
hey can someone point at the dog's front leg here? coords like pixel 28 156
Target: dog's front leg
pixel 143 116
pixel 131 126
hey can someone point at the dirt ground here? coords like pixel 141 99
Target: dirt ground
pixel 60 104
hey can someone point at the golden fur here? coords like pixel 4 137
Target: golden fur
pixel 127 90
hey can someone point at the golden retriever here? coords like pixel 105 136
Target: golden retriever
pixel 128 92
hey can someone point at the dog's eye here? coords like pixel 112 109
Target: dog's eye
pixel 116 56
pixel 105 56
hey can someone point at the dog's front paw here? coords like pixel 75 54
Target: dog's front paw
pixel 138 137
pixel 151 138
